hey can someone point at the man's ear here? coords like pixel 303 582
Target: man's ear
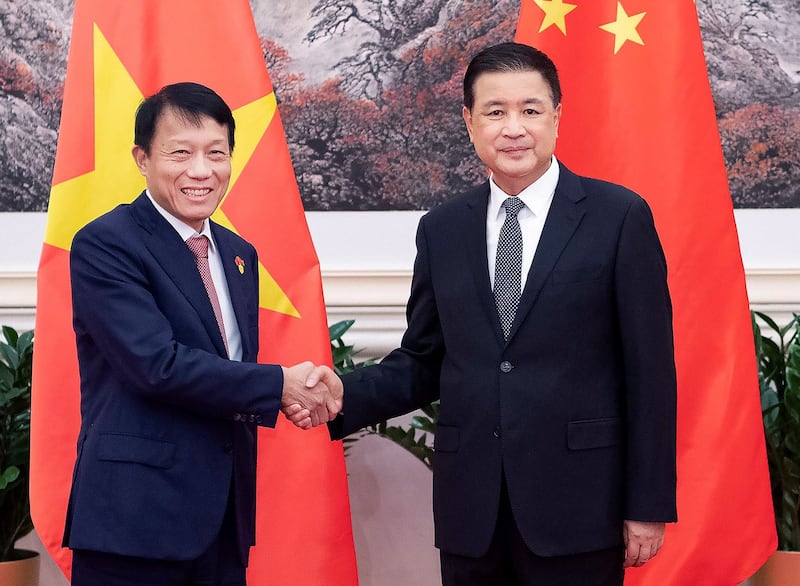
pixel 557 117
pixel 140 158
pixel 465 112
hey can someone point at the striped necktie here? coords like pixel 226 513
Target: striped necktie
pixel 199 247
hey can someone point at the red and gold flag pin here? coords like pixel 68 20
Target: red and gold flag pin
pixel 239 263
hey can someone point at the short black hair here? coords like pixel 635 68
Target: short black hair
pixel 188 99
pixel 511 57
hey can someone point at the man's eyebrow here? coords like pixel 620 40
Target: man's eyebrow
pixel 502 102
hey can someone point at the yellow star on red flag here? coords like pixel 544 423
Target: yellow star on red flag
pixel 75 202
pixel 624 28
pixel 555 13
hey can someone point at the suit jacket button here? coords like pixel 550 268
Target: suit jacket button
pixel 227 447
pixel 506 366
pixel 497 433
pixel 237 417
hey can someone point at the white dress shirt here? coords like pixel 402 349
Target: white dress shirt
pixel 217 275
pixel 537 198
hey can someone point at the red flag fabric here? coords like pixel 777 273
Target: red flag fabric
pixel 638 111
pixel 121 52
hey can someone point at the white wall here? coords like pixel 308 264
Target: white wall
pixel 367 257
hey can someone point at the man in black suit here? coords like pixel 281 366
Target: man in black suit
pixel 167 337
pixel 540 317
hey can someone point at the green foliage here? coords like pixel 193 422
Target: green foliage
pixel 418 445
pixel 778 352
pixel 16 359
pixel 343 353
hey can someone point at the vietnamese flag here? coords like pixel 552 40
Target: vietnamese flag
pixel 121 52
pixel 638 111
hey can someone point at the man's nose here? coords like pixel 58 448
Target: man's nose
pixel 514 125
pixel 199 166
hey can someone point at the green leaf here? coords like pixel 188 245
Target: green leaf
pixel 337 330
pixel 341 353
pixel 9 475
pixel 6 378
pixel 9 355
pixel 432 410
pixel 423 423
pixel 768 320
pixel 10 335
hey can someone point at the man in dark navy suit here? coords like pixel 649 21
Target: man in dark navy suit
pixel 540 317
pixel 167 337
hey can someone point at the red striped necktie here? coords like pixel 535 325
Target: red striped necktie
pixel 199 247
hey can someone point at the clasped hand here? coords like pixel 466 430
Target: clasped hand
pixel 312 395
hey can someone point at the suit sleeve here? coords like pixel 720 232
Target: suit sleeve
pixel 408 378
pixel 645 321
pixel 126 339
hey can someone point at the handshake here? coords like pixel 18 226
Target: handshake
pixel 312 395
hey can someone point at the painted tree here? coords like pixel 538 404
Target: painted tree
pixel 404 147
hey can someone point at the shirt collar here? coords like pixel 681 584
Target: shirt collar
pixel 536 197
pixel 184 230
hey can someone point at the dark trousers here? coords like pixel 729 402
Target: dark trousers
pixel 509 562
pixel 219 565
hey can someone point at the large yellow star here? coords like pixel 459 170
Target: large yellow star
pixel 555 12
pixel 624 28
pixel 115 178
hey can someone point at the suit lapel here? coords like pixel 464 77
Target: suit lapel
pixel 476 258
pixel 229 250
pixel 166 246
pixel 562 220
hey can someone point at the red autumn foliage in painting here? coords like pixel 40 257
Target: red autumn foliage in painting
pixel 391 135
pixel 761 144
pixel 384 130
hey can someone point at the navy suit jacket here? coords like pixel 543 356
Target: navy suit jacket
pixel 168 423
pixel 577 408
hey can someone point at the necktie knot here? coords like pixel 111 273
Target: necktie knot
pixel 199 246
pixel 513 205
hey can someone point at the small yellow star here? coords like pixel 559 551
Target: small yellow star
pixel 555 12
pixel 624 28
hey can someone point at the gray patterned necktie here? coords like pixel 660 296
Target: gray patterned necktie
pixel 508 265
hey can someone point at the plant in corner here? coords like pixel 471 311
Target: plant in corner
pixel 778 353
pixel 407 438
pixel 16 357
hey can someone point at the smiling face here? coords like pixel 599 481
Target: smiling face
pixel 513 125
pixel 188 167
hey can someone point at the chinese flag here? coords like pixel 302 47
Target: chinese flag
pixel 121 52
pixel 638 111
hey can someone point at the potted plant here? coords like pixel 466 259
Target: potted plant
pixel 778 354
pixel 16 356
pixel 420 446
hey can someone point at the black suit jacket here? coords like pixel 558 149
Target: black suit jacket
pixel 577 408
pixel 168 423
